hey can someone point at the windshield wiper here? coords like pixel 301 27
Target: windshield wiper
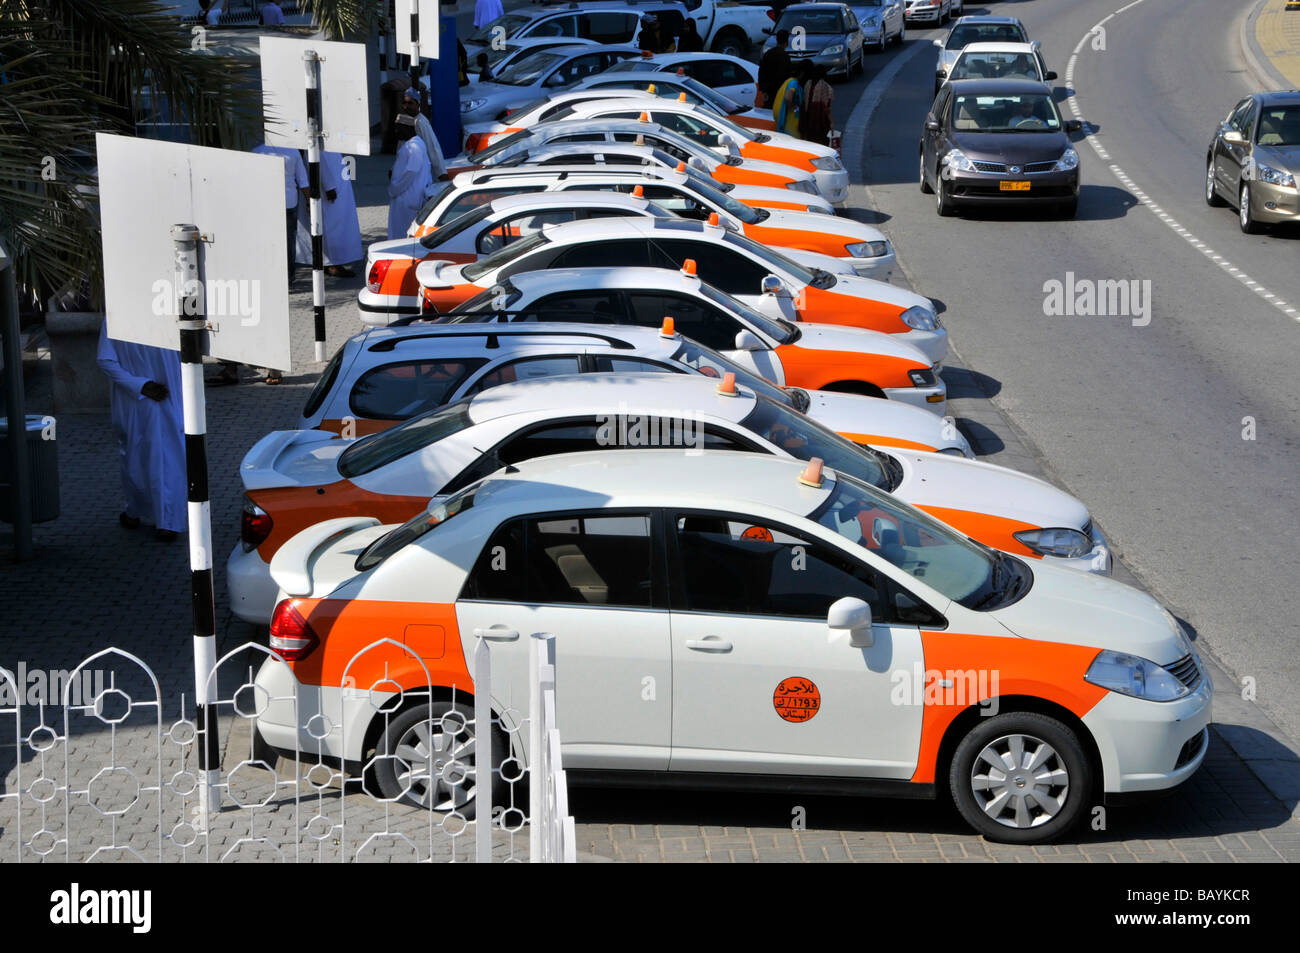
pixel 823 279
pixel 762 137
pixel 996 592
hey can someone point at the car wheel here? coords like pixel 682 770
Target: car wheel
pixel 902 33
pixel 425 758
pixel 730 43
pixel 1247 216
pixel 925 186
pixel 1021 778
pixel 942 200
pixel 1212 197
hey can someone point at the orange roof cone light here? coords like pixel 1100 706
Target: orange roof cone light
pixel 688 267
pixel 812 474
pixel 728 386
pixel 650 88
pixel 713 218
pixel 645 117
pixel 669 329
pixel 681 71
pixel 647 54
pixel 638 192
pixel 681 97
pixel 681 167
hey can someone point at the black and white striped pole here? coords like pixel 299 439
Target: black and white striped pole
pixel 190 307
pixel 311 65
pixel 415 50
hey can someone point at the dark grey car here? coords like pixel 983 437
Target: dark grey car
pixel 998 141
pixel 826 34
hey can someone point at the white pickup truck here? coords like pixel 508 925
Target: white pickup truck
pixel 730 26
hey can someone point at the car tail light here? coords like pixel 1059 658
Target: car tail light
pixel 378 271
pixel 476 141
pixel 291 636
pixel 426 302
pixel 771 14
pixel 255 525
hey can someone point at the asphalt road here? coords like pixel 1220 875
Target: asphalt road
pixel 1144 423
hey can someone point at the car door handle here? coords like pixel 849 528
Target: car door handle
pixel 709 644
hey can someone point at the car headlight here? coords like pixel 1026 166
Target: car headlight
pixel 871 24
pixel 1136 676
pixel 472 104
pixel 1274 176
pixel 922 377
pixel 827 164
pixel 867 249
pixel 1068 162
pixel 1065 543
pixel 833 50
pixel 921 318
pixel 956 159
pixel 803 185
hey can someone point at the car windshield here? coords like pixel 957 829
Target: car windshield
pixel 485 34
pixel 740 210
pixel 477 269
pixel 782 331
pixel 1279 126
pixel 413 529
pixel 772 258
pixel 456 226
pixel 440 192
pixel 529 69
pixel 719 101
pixel 712 364
pixel 803 438
pixel 380 449
pixel 1005 112
pixel 500 145
pixel 995 66
pixel 969 33
pixel 819 22
pixel 959 568
pixel 499 297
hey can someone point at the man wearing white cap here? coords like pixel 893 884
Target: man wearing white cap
pixel 424 129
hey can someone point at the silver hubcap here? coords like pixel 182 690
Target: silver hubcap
pixel 1209 181
pixel 437 763
pixel 1245 205
pixel 1020 781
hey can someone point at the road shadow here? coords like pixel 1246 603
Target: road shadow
pixel 1096 203
pixel 963 382
pixel 984 440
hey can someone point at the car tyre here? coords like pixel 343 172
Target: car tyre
pixel 1212 197
pixel 441 729
pixel 730 43
pixel 1021 778
pixel 902 33
pixel 1246 217
pixel 925 186
pixel 943 203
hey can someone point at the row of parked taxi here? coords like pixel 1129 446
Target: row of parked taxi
pixel 630 380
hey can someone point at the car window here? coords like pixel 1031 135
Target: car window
pixel 523 225
pixel 425 522
pixel 1005 112
pixel 1279 126
pixel 630 252
pixel 580 158
pixel 598 559
pixel 555 26
pixel 608 26
pixel 1239 113
pixel 440 190
pixel 325 384
pixel 725 269
pixel 578 68
pixel 516 249
pixel 453 227
pixel 602 364
pixel 695 129
pixel 510 23
pixel 527 369
pixel 381 449
pixel 590 307
pixel 474 198
pixel 693 318
pixel 731 74
pixel 732 564
pixel 401 390
pixel 1248 122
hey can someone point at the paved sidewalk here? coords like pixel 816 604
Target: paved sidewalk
pixel 1271 41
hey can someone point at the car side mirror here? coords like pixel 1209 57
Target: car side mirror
pixel 939 74
pixel 1074 125
pixel 931 125
pixel 1050 74
pixel 767 31
pixel 747 340
pixel 771 285
pixel 1232 135
pixel 938 43
pixel 853 616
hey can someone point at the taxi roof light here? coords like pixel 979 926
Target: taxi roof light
pixel 681 166
pixel 728 386
pixel 713 219
pixel 645 117
pixel 688 267
pixel 812 474
pixel 638 192
pixel 681 97
pixel 669 328
pixel 650 88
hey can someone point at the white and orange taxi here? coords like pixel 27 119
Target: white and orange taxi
pixel 730 620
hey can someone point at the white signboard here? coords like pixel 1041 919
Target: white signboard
pixel 236 199
pixel 345 94
pixel 428 28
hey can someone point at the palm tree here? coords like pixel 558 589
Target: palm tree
pixel 72 68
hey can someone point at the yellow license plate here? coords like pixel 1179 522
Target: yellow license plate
pixel 1014 186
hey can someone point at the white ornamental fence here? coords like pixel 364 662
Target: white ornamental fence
pixel 106 773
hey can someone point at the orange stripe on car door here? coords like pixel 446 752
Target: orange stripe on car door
pixel 1048 670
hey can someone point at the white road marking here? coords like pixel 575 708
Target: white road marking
pixel 1141 196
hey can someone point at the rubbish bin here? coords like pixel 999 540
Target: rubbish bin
pixel 42 465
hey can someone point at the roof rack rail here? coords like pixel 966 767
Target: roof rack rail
pixel 494 333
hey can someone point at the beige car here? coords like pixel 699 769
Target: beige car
pixel 1254 159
